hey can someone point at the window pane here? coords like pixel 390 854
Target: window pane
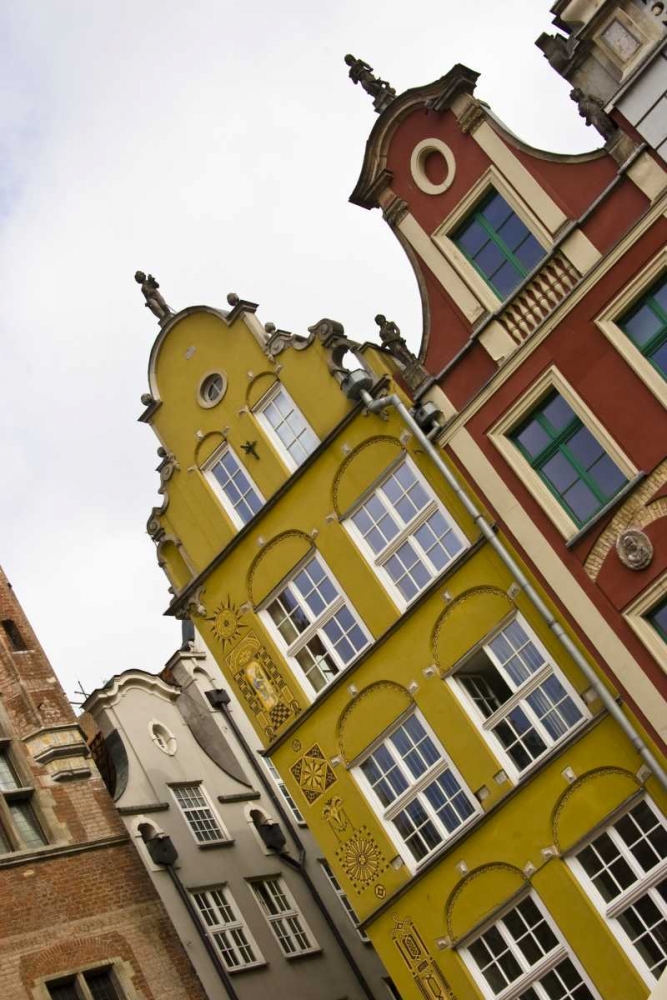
pixel 519 738
pixel 449 801
pixel 582 501
pixel 646 925
pixel 643 325
pixel 101 985
pixel 234 483
pixel 645 835
pixel 533 438
pixel 8 776
pixel 417 830
pixel 554 708
pixel 290 426
pixel 658 619
pixel 558 412
pixel 659 357
pixel 63 991
pixel 26 824
pixel 473 239
pixel 496 211
pixel 198 814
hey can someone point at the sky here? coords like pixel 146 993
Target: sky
pixel 214 144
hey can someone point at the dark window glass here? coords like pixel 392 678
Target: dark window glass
pixel 568 458
pixel 499 244
pixel 646 325
pixel 13 633
pixel 658 619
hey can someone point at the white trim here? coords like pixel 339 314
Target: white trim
pixel 208 404
pixel 225 838
pixel 519 696
pixel 636 618
pixel 386 814
pixel 292 911
pixel 210 479
pixel 238 923
pixel 418 161
pixel 499 434
pixel 645 881
pixel 281 449
pixel 406 532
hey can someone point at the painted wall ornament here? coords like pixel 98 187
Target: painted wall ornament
pixel 313 774
pixel 260 682
pixel 335 814
pixel 361 859
pixel 422 966
pixel 634 549
pixel 227 624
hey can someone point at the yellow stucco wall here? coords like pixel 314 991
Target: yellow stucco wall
pixel 523 827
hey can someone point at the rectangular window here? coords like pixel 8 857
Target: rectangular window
pixel 420 795
pixel 226 928
pixel 405 532
pixel 285 792
pixel 646 325
pixel 13 633
pixel 518 695
pixel 342 895
pixel 240 497
pixel 627 866
pixel 20 829
pixel 514 952
pixel 287 427
pixel 498 244
pixel 97 984
pixel 288 925
pixel 318 627
pixel 568 458
pixel 658 619
pixel 201 819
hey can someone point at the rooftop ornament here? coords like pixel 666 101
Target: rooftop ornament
pixel 592 111
pixel 381 92
pixel 154 298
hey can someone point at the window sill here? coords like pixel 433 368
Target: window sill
pixel 216 843
pixel 608 507
pixel 303 954
pixel 246 968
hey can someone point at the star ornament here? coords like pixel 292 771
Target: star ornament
pixel 227 624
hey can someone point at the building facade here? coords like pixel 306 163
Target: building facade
pixel 256 909
pixel 80 918
pixel 543 279
pixel 455 747
pixel 615 54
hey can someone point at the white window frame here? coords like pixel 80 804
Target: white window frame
pixel 646 881
pixel 260 411
pixel 315 628
pixel 185 811
pixel 287 912
pixel 344 899
pixel 231 927
pixel 406 532
pixel 416 787
pixel 518 698
pixel 637 618
pixel 531 974
pixel 285 792
pixel 501 436
pixel 219 492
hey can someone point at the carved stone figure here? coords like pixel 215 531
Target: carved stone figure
pixel 592 111
pixel 414 372
pixel 381 91
pixel 634 549
pixel 154 298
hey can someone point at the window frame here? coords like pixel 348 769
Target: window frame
pixel 78 980
pixel 274 774
pixel 218 491
pixel 198 784
pixel 485 726
pixel 281 449
pixel 531 975
pixel 239 923
pixel 344 899
pixel 501 436
pixel 314 628
pixel 377 561
pixel 292 912
pixel 609 323
pixel 10 832
pixel 416 786
pixel 610 911
pixel 636 617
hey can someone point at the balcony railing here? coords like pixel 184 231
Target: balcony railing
pixel 539 298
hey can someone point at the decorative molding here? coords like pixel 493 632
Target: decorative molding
pixel 597 772
pixel 227 625
pixel 423 968
pixel 368 443
pixel 418 159
pixel 267 694
pixel 634 549
pixel 463 598
pixel 264 551
pixel 472 876
pixel 363 694
pixel 396 210
pixel 361 859
pixel 153 525
pixel 335 814
pixel 61 751
pixel 472 117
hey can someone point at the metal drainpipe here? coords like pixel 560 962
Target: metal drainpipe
pixel 298 865
pixel 376 406
pixel 212 953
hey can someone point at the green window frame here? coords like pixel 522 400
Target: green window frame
pixel 657 617
pixel 568 458
pixel 498 244
pixel 646 325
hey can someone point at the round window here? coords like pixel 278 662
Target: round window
pixel 212 389
pixel 163 739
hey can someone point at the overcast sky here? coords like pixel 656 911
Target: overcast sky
pixel 215 144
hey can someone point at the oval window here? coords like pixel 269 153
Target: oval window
pixel 212 389
pixel 163 738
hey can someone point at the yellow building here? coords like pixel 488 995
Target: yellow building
pixel 467 778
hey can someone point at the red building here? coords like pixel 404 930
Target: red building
pixel 543 280
pixel 80 919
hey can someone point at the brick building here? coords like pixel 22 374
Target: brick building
pixel 80 919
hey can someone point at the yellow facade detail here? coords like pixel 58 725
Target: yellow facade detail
pixel 416 665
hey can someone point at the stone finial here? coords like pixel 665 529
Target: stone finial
pixel 154 298
pixel 592 111
pixel 381 92
pixel 269 328
pixel 233 299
